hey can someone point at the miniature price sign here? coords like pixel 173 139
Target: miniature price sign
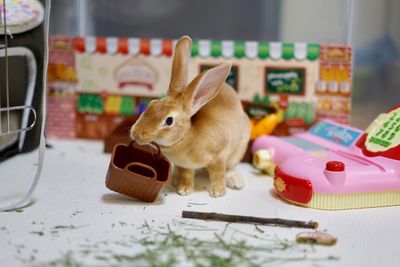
pixel 285 80
pixel 385 133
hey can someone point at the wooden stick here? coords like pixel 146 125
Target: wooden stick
pixel 247 219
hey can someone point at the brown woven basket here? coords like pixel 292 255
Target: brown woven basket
pixel 138 171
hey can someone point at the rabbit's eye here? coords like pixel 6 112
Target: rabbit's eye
pixel 169 121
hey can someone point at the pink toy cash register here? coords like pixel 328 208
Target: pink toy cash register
pixel 334 166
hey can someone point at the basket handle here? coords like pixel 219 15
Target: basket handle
pixel 129 167
pixel 153 145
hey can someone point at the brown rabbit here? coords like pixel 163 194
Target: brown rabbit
pixel 198 125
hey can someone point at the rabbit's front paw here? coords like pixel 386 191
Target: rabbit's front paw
pixel 184 189
pixel 217 191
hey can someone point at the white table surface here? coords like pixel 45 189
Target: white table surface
pixel 74 211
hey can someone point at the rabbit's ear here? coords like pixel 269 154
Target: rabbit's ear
pixel 206 86
pixel 180 65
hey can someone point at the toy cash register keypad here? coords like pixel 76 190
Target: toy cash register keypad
pixel 386 132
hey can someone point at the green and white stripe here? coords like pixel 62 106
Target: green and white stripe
pixel 253 50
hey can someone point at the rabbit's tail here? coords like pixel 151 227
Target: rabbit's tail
pixel 234 180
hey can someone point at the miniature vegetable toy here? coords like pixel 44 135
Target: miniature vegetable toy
pixel 200 124
pixel 264 126
pixel 334 166
pixel 264 116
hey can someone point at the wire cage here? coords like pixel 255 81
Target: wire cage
pixel 23 70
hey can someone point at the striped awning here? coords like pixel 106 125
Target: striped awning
pixel 201 48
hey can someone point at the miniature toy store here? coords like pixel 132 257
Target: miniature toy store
pixel 199 133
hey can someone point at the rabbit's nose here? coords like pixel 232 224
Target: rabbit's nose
pixel 137 136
